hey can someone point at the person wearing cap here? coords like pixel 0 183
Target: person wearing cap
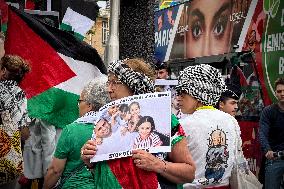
pixel 228 102
pixel 213 136
pixel 162 71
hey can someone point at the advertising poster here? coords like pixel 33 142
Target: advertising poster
pixel 136 122
pixel 273 44
pixel 202 28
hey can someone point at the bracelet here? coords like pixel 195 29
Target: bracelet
pixel 165 167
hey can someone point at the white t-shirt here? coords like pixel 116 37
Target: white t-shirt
pixel 211 139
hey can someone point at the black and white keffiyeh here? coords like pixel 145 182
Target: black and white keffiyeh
pixel 137 82
pixel 203 82
pixel 13 100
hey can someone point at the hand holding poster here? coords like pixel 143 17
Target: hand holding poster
pixel 133 123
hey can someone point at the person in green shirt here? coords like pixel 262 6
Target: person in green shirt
pixel 67 170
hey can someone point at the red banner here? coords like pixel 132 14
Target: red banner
pixel 251 145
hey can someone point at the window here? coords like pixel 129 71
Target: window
pixel 105 31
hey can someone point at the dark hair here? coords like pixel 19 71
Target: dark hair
pixel 146 119
pixel 163 65
pixel 279 81
pixel 226 96
pixel 123 108
pixel 16 66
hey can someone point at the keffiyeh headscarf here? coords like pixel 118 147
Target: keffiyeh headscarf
pixel 137 82
pixel 203 82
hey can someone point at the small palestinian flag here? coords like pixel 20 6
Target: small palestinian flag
pixel 61 65
pixel 79 17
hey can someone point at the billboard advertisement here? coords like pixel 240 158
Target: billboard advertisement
pixel 201 28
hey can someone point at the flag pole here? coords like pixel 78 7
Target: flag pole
pixel 48 5
pixel 112 48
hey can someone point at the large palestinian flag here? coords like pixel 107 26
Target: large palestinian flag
pixel 61 66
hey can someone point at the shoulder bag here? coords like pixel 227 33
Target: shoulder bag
pixel 241 176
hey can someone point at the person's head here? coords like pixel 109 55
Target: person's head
pixel 217 138
pixel 2 41
pixel 210 28
pixel 103 128
pixel 124 111
pixel 13 67
pixel 93 96
pixel 145 126
pixel 134 109
pixel 129 77
pixel 279 89
pixel 228 102
pixel 175 103
pixel 113 109
pixel 163 71
pixel 198 86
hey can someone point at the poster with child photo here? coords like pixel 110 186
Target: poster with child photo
pixel 135 122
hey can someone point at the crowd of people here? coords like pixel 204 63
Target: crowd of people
pixel 203 139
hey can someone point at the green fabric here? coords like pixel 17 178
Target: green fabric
pixel 4 27
pixel 104 178
pixel 56 106
pixel 79 36
pixel 177 132
pixel 65 27
pixel 72 138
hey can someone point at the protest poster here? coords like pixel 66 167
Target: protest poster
pixel 135 122
pixel 169 85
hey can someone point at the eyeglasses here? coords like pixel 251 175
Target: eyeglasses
pixel 114 83
pixel 80 100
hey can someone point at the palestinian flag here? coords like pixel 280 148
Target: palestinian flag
pixel 79 16
pixel 61 66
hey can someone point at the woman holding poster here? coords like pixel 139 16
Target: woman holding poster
pixel 142 170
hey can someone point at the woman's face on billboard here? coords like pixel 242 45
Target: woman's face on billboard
pixel 210 29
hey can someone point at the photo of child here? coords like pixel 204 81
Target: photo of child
pixel 123 127
pixel 147 138
pixel 102 130
pixel 134 109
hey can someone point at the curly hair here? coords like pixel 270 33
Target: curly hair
pixel 16 67
pixel 95 93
